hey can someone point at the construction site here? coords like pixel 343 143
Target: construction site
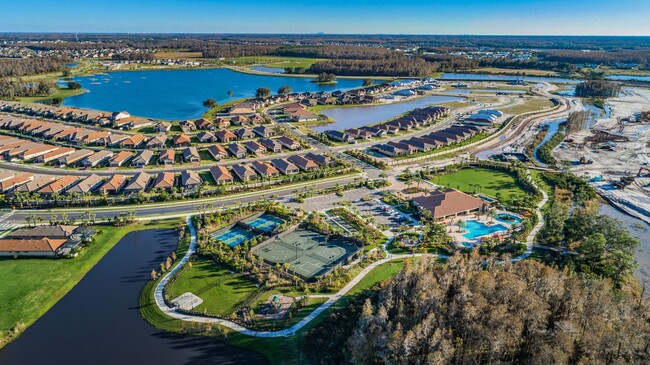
pixel 614 153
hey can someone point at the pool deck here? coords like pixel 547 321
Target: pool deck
pixel 458 235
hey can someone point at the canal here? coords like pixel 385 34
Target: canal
pixel 98 321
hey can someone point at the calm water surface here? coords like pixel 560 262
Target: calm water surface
pixel 641 231
pixel 179 94
pixel 354 117
pixel 98 321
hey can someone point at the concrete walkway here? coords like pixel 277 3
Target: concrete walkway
pixel 331 299
pixel 171 312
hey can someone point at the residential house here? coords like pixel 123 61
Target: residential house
pixel 221 123
pixel 58 186
pixel 97 158
pixel 119 159
pixel 34 185
pixel 37 151
pixel 187 126
pixel 45 247
pixel 244 172
pixel 163 127
pixel 13 182
pixel 264 131
pixel 204 124
pixel 190 154
pixel 389 150
pixel 285 166
pixel 142 159
pixel 87 185
pixel 157 142
pixel 217 151
pixel 221 175
pixel 225 136
pixel 190 180
pixel 339 136
pixel 254 147
pixel 167 157
pixel 164 181
pixel 138 183
pixel 303 163
pixel 244 133
pixel 38 232
pixel 73 158
pixel 321 160
pixel 237 150
pixel 265 169
pixel 288 143
pixel 113 185
pixel 181 140
pixel 271 145
pixel 206 137
pixel 134 141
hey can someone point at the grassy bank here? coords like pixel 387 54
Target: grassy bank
pixel 36 284
pixel 281 350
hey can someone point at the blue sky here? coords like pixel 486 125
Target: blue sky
pixel 580 17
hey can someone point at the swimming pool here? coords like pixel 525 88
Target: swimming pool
pixel 234 236
pixel 265 222
pixel 477 229
pixel 508 218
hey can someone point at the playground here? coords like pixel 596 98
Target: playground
pixel 308 253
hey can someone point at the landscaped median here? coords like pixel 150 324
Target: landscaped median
pixel 33 285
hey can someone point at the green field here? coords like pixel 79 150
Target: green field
pixel 273 61
pixel 219 289
pixel 33 285
pixel 530 105
pixel 63 92
pixel 483 181
pixel 281 350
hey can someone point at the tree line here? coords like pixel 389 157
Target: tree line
pixel 16 67
pixel 398 67
pixel 465 312
pixel 598 88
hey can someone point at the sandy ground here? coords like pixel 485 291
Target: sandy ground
pixel 623 160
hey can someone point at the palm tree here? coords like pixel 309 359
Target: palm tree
pixel 461 224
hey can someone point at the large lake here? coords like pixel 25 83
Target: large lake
pixel 98 321
pixel 357 116
pixel 178 94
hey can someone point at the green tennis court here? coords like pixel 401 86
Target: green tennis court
pixel 307 252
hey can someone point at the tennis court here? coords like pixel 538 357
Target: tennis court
pixel 264 223
pixel 307 252
pixel 233 236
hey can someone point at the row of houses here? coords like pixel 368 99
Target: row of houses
pixel 415 119
pixel 220 122
pixel 117 120
pixel 261 169
pixel 45 241
pixel 485 117
pixel 444 137
pixel 115 184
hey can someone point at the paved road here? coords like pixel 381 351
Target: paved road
pixel 178 208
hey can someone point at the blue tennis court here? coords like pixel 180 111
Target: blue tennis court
pixel 234 236
pixel 264 223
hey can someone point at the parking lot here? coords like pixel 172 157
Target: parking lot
pixel 383 213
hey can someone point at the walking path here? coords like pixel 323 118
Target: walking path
pixel 331 299
pixel 160 301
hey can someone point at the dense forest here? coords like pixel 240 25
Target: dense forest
pixel 13 67
pixel 339 52
pixel 11 88
pixel 468 313
pixel 598 88
pixel 402 67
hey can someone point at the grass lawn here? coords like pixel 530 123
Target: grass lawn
pixel 62 92
pixel 220 290
pixel 36 284
pixel 280 350
pixel 481 180
pixel 529 105
pixel 273 61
